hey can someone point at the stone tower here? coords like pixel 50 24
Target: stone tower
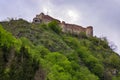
pixel 89 31
pixel 38 18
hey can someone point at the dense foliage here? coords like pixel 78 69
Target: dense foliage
pixel 31 51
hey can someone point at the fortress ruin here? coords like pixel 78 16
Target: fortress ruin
pixel 66 27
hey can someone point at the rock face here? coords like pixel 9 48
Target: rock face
pixel 66 27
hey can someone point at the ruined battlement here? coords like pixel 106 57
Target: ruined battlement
pixel 66 27
pixel 42 18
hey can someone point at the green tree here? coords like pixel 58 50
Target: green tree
pixel 55 26
pixel 114 60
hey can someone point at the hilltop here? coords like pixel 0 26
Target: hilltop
pixel 30 51
pixel 66 27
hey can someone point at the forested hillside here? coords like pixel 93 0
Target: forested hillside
pixel 31 51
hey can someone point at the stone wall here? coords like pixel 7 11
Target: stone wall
pixel 72 28
pixel 66 27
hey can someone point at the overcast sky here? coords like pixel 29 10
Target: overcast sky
pixel 103 15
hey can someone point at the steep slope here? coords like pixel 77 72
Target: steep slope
pixel 43 52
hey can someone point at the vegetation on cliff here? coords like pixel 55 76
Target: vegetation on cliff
pixel 31 51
